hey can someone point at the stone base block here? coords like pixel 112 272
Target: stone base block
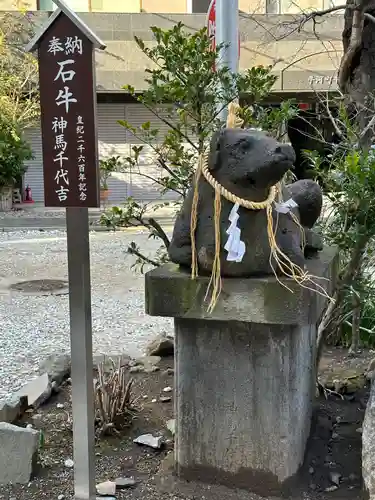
pixel 243 401
pixel 18 453
pixel 245 378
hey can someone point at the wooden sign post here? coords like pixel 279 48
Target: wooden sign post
pixel 71 179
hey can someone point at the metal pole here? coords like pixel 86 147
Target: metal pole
pixel 227 32
pixel 77 223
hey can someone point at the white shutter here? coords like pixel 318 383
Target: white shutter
pixel 143 188
pixel 34 174
pixel 112 142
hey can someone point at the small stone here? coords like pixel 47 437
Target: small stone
pixel 335 478
pixel 312 486
pixel 311 470
pixel 152 369
pixel 106 488
pixel 57 366
pixel 69 463
pixel 144 396
pixel 125 482
pixel 167 389
pixel 55 388
pixel 359 430
pixel 61 497
pixel 18 453
pixel 137 369
pixel 155 442
pixel 153 400
pixel 168 372
pixel 29 426
pixel 37 391
pixel 165 399
pixel 161 346
pixel 334 435
pixel 171 426
pixel 60 406
pixel 331 488
pixel 147 361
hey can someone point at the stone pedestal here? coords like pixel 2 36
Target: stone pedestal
pixel 245 378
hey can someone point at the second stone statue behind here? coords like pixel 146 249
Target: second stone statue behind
pixel 248 163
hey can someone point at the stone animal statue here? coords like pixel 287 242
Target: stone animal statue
pixel 248 163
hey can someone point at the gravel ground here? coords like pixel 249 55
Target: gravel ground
pixel 33 327
pixel 39 212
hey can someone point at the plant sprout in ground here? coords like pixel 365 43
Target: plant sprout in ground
pixel 186 95
pixel 113 401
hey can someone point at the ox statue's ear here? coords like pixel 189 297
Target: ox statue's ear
pixel 214 156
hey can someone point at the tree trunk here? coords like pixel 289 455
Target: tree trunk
pixel 357 69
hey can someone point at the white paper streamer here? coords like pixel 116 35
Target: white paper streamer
pixel 234 246
pixel 286 206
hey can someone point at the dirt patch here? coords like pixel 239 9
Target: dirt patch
pixel 334 450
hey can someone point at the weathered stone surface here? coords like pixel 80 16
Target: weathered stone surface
pixel 155 442
pixel 308 195
pixel 245 374
pixel 370 372
pixel 37 391
pixel 368 445
pixel 243 401
pixel 57 366
pixel 18 450
pixel 247 163
pixel 171 292
pixel 12 408
pixel 161 346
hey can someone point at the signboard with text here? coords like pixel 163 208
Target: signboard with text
pixel 68 116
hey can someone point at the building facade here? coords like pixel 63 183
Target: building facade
pixel 170 6
pixel 304 62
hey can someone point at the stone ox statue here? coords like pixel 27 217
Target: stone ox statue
pixel 248 163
